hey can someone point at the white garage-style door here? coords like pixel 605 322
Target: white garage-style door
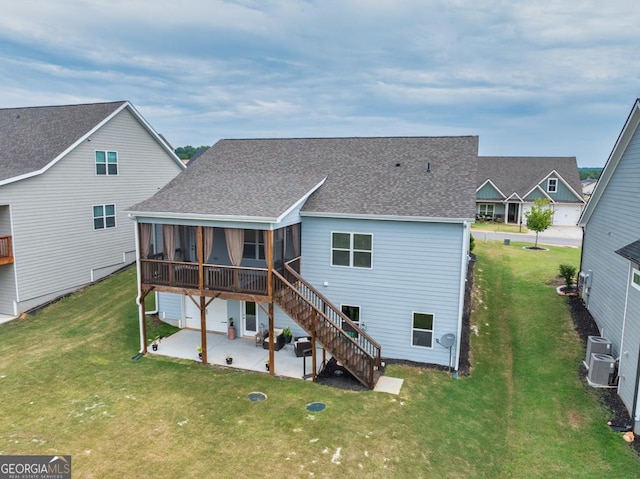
pixel 216 315
pixel 566 215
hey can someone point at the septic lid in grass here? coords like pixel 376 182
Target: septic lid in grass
pixel 316 406
pixel 256 397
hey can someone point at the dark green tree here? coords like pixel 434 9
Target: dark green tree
pixel 539 217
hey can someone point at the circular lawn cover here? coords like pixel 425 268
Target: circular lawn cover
pixel 316 406
pixel 257 396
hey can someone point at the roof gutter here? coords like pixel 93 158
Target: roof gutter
pixel 359 216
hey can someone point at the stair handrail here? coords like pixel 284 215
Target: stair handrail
pixel 330 305
pixel 372 359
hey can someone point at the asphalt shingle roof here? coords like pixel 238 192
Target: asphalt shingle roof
pixel 520 174
pixel 631 252
pixel 32 137
pixel 399 176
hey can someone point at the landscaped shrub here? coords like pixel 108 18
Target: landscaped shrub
pixel 567 272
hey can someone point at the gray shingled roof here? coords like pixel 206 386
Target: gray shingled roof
pixel 520 174
pixel 32 137
pixel 631 252
pixel 364 176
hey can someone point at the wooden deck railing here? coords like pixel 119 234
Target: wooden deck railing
pixel 179 274
pixel 6 251
pixel 359 352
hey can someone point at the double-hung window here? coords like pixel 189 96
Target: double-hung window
pixel 106 163
pixel 104 216
pixel 552 185
pixel 422 330
pixel 353 313
pixel 253 245
pixel 486 209
pixel 353 250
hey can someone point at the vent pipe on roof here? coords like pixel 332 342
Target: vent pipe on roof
pixel 428 167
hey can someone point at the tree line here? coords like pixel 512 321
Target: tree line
pixel 188 152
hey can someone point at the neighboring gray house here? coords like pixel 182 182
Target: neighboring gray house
pixel 508 186
pixel 67 174
pixel 360 243
pixel 610 266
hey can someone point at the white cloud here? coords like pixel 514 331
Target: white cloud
pixel 525 75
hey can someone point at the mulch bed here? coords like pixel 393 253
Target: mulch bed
pixel 586 326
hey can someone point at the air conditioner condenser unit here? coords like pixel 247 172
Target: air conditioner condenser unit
pixel 596 345
pixel 601 370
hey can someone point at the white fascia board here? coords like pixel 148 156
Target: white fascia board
pixel 492 184
pixel 416 219
pixel 510 198
pixel 538 187
pixel 300 201
pixel 133 111
pixel 184 218
pixel 152 132
pixel 625 136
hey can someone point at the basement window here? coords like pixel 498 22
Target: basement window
pixel 422 332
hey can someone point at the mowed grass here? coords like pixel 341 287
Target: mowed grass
pixel 68 386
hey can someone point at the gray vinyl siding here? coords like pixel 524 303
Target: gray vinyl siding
pixel 614 223
pixel 56 248
pixel 7 277
pixel 171 307
pixel 630 346
pixel 416 268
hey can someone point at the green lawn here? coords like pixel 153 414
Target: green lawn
pixel 68 386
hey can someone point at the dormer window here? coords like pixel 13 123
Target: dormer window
pixel 552 185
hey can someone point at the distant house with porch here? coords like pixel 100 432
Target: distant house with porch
pixel 362 244
pixel 67 173
pixel 610 264
pixel 507 187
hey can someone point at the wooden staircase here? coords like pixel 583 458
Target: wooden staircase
pixel 357 351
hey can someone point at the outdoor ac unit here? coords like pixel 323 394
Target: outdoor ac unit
pixel 601 370
pixel 596 345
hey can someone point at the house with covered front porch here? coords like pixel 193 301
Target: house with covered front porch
pixel 507 188
pixel 361 244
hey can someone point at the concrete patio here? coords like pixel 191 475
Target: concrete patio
pixel 246 355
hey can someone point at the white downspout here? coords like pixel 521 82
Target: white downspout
pixel 141 313
pixel 622 352
pixel 464 264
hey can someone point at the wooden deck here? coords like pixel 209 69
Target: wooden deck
pixel 6 251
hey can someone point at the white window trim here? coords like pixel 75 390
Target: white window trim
pixel 555 187
pixel 485 205
pixel 106 157
pixel 433 328
pixel 634 272
pixel 104 216
pixel 259 241
pixel 351 249
pixel 353 306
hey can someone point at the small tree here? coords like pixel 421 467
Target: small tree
pixel 568 272
pixel 539 217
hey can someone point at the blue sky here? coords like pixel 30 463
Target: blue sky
pixel 542 78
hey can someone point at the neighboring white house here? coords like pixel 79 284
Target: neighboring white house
pixel 610 266
pixel 67 175
pixel 507 187
pixel 361 243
